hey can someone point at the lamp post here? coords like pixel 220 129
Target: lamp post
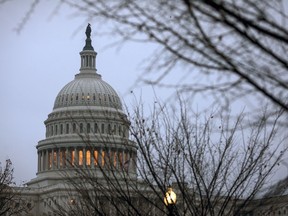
pixel 170 201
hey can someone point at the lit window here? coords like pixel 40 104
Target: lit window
pixel 96 158
pixel 55 158
pixel 80 157
pixel 103 158
pixel 120 158
pixel 115 159
pixel 88 158
pixel 88 97
pixel 49 160
pixel 72 157
pixel 61 159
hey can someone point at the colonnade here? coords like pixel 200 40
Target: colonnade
pixel 61 158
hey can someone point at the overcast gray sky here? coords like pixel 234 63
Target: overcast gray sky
pixel 37 63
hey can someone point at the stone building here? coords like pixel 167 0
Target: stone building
pixel 87 130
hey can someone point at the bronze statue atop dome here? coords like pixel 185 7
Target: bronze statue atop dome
pixel 88 31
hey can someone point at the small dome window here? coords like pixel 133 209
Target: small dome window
pixel 88 128
pixel 74 128
pixel 67 128
pixel 95 128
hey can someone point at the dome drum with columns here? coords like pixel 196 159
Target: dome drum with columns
pixel 86 129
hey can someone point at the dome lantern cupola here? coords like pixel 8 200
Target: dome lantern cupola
pixel 88 55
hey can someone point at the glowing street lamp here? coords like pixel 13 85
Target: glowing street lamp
pixel 170 200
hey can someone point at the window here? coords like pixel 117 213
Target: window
pixel 81 128
pixel 80 154
pixel 56 129
pixel 96 158
pixel 72 157
pixel 74 128
pixel 52 130
pixel 61 158
pixel 94 97
pixel 109 129
pixel 67 128
pixel 95 128
pixel 88 158
pixel 61 129
pixel 49 160
pixel 88 127
pixel 114 159
pixel 102 128
pixel 88 97
pixel 120 158
pixel 103 158
pixel 55 158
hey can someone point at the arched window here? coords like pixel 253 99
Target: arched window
pixel 72 157
pixel 95 158
pixel 88 158
pixel 95 128
pixel 81 128
pixel 109 129
pixel 67 128
pixel 103 158
pixel 80 158
pixel 61 129
pixel 49 160
pixel 74 128
pixel 88 127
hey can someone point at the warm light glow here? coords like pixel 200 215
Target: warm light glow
pixel 72 157
pixel 50 160
pixel 80 158
pixel 55 158
pixel 103 158
pixel 120 158
pixel 88 158
pixel 115 159
pixel 96 158
pixel 170 197
pixel 61 159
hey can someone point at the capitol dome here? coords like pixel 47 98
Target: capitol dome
pixel 87 90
